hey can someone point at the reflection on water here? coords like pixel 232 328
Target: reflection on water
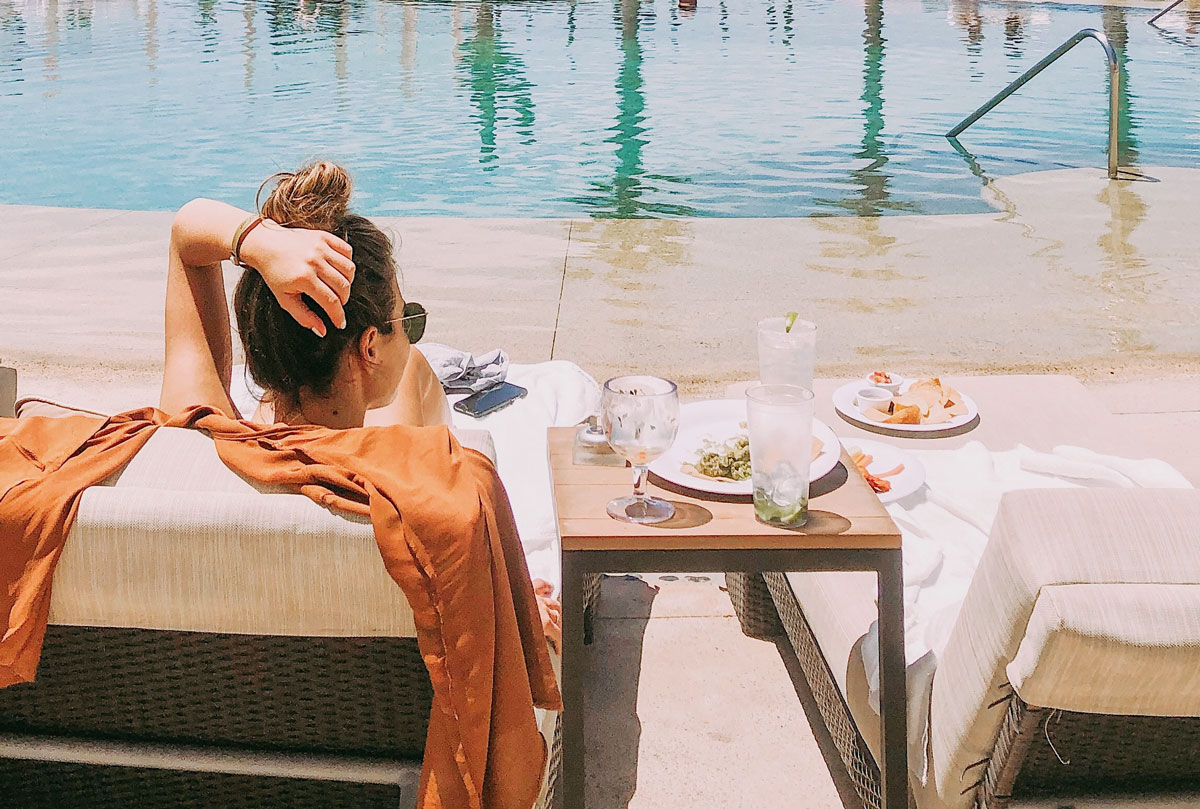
pixel 969 19
pixel 1127 277
pixel 621 197
pixel 1117 31
pixel 248 14
pixel 870 178
pixel 496 79
pixel 1014 32
pixel 1180 25
pixel 609 108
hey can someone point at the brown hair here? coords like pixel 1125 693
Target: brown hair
pixel 281 355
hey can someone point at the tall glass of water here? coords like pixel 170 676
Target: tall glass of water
pixel 786 356
pixel 641 417
pixel 780 425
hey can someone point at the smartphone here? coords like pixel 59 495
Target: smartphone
pixel 478 405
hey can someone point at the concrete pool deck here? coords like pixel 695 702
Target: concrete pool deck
pixel 1073 273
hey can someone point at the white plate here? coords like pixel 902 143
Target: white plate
pixel 886 457
pixel 721 420
pixel 843 402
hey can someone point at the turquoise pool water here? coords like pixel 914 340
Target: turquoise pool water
pixel 622 108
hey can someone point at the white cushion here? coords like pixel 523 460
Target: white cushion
pixel 1147 635
pixel 178 541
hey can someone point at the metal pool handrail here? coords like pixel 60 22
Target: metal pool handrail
pixel 1154 19
pixel 1114 89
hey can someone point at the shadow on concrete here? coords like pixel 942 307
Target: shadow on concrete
pixel 829 752
pixel 614 665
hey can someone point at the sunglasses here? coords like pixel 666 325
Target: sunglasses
pixel 412 321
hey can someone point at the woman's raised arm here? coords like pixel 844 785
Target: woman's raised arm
pixel 198 358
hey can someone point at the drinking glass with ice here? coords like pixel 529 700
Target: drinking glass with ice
pixel 786 351
pixel 779 419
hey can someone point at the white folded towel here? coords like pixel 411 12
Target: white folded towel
pixel 1148 473
pixel 461 371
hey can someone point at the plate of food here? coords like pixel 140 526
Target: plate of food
pixel 891 473
pixel 926 405
pixel 711 453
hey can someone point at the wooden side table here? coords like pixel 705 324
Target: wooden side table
pixel 848 529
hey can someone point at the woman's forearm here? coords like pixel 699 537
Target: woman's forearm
pixel 203 231
pixel 294 263
pixel 199 352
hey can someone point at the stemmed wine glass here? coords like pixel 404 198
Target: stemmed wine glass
pixel 641 417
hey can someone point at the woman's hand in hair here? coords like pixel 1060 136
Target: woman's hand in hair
pixel 296 262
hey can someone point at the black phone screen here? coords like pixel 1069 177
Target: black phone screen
pixel 477 404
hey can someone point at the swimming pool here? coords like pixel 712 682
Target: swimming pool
pixel 549 108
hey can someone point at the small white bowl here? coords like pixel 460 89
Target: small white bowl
pixel 893 386
pixel 873 398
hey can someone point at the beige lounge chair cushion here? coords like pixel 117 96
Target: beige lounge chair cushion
pixel 178 541
pixel 1146 635
pixel 37 406
pixel 268 564
pixel 1101 542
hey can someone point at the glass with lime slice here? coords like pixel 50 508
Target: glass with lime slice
pixel 786 351
pixel 779 418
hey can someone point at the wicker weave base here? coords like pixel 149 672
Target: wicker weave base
pixel 753 605
pixel 555 775
pixel 1041 753
pixel 1107 755
pixel 591 599
pixel 835 713
pixel 367 697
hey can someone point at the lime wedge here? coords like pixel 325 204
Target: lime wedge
pixel 789 320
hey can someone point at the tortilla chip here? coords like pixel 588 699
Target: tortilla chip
pixel 938 401
pixel 904 414
pixel 926 394
pixel 875 415
pixel 818 446
pixel 938 415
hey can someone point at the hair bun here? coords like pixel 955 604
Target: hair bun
pixel 316 196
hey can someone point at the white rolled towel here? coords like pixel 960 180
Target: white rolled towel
pixel 461 371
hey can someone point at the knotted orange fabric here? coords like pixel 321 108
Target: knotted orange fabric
pixel 445 531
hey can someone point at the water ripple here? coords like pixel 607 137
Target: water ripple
pixel 607 108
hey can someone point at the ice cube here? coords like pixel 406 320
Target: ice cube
pixel 784 471
pixel 788 491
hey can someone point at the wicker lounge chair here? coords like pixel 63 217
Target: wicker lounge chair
pixel 1072 668
pixel 213 644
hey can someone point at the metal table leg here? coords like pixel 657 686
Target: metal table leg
pixel 893 703
pixel 571 793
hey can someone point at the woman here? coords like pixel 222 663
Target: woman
pixel 325 329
